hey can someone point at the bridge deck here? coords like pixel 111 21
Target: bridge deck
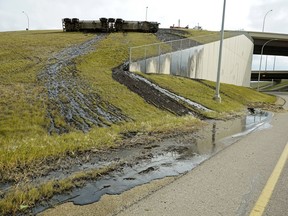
pixel 278 47
pixel 269 75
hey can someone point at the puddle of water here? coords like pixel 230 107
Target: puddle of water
pixel 220 134
pixel 170 157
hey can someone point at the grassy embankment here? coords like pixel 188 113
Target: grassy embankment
pixel 234 98
pixel 24 143
pixel 23 123
pixel 24 140
pixel 270 86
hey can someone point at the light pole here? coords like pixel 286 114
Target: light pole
pixel 217 93
pixel 27 19
pixel 259 74
pixel 263 26
pixel 146 13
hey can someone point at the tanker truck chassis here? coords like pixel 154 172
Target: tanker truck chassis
pixel 108 25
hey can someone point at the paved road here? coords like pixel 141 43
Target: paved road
pixel 230 182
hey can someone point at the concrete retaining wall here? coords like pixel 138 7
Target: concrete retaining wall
pixel 201 62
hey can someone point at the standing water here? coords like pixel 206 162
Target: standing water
pixel 169 157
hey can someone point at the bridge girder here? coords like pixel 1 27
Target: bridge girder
pixel 269 75
pixel 278 47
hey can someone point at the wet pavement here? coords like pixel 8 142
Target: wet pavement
pixel 169 157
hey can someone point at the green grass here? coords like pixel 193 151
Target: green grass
pixel 22 55
pixel 96 67
pixel 23 197
pixel 204 36
pixel 277 86
pixel 24 142
pixel 243 95
pixel 23 123
pixel 196 92
pixel 262 84
pixel 234 98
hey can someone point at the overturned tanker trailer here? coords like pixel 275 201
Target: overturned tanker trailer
pixel 108 25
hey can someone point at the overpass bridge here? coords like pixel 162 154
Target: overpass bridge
pixel 269 75
pixel 278 47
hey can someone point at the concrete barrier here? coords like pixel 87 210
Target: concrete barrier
pixel 201 62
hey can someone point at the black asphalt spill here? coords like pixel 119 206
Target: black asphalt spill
pixel 158 96
pixel 169 157
pixel 71 103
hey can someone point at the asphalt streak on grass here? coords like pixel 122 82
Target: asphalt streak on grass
pixel 71 103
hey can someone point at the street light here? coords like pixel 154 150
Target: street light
pixel 265 20
pixel 217 93
pixel 259 74
pixel 146 13
pixel 263 26
pixel 27 19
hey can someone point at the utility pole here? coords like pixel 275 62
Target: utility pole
pixel 27 20
pixel 263 26
pixel 217 96
pixel 259 73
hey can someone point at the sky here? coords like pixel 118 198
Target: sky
pixel 240 14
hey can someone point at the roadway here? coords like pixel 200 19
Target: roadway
pixel 229 183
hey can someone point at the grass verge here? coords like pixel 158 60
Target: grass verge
pixel 24 144
pixel 234 98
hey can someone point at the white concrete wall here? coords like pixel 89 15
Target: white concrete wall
pixel 201 62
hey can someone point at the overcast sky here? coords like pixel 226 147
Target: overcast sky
pixel 240 14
